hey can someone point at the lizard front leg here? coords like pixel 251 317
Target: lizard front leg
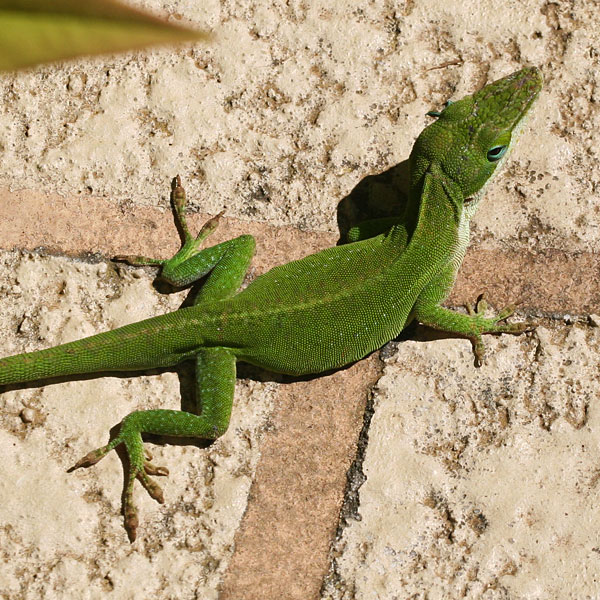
pixel 427 310
pixel 373 227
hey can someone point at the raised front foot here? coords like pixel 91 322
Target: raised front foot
pixel 481 325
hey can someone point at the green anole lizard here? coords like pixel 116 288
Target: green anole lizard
pixel 315 314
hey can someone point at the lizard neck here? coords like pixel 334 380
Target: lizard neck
pixel 434 214
pixel 462 242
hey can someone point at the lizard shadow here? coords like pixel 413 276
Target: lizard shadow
pixel 384 194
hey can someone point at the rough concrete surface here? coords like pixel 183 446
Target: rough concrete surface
pixel 479 483
pixel 415 476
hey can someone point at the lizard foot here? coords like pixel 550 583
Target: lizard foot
pixel 140 468
pixel 138 261
pixel 190 263
pixel 495 325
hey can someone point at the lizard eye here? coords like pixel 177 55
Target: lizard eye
pixel 496 153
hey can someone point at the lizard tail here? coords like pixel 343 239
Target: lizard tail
pixel 143 345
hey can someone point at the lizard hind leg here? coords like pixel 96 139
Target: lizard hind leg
pixel 225 263
pixel 190 244
pixel 215 384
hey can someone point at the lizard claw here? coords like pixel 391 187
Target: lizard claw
pixel 151 487
pixel 91 458
pixel 137 261
pixel 155 470
pixel 481 306
pixel 517 328
pixel 130 511
pixel 131 521
pixel 478 349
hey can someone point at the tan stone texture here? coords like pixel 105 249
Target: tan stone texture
pixel 409 475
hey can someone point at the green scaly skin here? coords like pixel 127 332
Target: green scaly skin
pixel 315 314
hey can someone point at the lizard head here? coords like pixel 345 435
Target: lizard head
pixel 472 137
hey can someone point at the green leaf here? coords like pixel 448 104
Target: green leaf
pixel 39 31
